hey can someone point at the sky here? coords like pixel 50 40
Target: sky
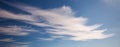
pixel 59 23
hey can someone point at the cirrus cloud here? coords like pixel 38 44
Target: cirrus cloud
pixel 62 21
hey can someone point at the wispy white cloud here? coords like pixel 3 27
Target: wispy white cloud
pixel 24 43
pixel 63 23
pixel 7 14
pixel 15 30
pixel 51 38
pixel 25 18
pixel 19 44
pixel 7 40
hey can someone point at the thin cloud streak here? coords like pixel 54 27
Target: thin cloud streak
pixel 7 40
pixel 15 30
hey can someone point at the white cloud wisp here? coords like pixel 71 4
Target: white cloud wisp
pixel 63 23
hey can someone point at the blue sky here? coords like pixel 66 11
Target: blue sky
pixel 59 23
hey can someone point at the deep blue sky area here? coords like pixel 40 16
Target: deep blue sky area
pixel 59 23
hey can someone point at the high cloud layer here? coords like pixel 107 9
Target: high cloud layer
pixel 62 22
